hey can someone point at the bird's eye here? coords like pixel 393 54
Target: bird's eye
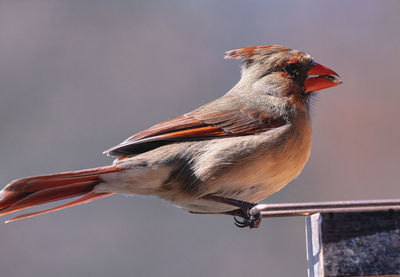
pixel 292 69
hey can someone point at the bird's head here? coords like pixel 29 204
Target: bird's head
pixel 283 72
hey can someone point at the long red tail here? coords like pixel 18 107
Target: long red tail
pixel 31 191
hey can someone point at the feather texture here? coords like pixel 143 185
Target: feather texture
pixel 214 120
pixel 31 191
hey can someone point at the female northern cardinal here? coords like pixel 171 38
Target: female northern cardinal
pixel 240 148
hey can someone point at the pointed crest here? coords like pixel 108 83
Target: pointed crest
pixel 250 52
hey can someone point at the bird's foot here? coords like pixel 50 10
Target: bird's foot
pixel 248 220
pixel 248 212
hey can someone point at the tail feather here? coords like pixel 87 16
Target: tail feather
pixel 36 183
pixel 49 195
pixel 82 200
pixel 10 198
pixel 31 191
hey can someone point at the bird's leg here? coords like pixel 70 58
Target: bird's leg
pixel 250 219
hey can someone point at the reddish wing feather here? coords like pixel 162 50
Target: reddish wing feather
pixel 177 124
pixel 210 121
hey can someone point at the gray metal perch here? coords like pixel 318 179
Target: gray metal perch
pixel 347 238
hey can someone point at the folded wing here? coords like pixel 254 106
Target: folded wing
pixel 225 117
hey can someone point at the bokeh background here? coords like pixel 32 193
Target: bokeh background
pixel 77 77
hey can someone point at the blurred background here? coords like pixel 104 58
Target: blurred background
pixel 77 77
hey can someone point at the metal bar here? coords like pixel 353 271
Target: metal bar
pixel 302 209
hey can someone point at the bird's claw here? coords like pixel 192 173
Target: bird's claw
pixel 249 212
pixel 251 220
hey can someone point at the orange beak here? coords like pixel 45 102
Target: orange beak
pixel 326 78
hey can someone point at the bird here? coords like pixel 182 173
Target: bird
pixel 223 157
